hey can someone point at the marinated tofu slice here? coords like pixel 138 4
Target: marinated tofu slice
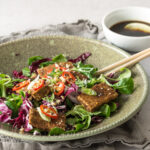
pixel 67 65
pixel 79 75
pixel 104 94
pixel 40 93
pixel 45 70
pixel 36 121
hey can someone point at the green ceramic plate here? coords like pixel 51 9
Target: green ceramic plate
pixel 102 55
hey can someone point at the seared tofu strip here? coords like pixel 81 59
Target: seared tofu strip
pixel 104 94
pixel 36 121
pixel 67 65
pixel 40 93
pixel 79 75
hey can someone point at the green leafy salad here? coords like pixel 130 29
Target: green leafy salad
pixel 53 96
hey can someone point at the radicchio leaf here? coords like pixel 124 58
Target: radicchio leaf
pixel 5 112
pixel 19 75
pixel 23 118
pixel 73 88
pixel 72 93
pixel 81 58
pixel 35 65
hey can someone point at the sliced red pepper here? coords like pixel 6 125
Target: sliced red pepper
pixel 59 88
pixel 21 85
pixel 49 111
pixel 39 84
pixel 54 67
pixel 69 77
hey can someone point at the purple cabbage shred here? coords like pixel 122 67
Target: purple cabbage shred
pixel 111 75
pixel 19 75
pixel 73 88
pixel 35 65
pixel 23 118
pixel 96 119
pixel 2 99
pixel 5 115
pixel 81 58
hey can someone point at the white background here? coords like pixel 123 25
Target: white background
pixel 17 15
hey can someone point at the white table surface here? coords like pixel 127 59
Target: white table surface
pixel 18 15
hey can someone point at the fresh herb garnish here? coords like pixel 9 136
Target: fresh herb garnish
pixel 22 93
pixel 55 73
pixel 18 80
pixel 59 58
pixel 14 102
pixel 49 99
pixel 26 72
pixel 34 58
pixel 88 91
pixel 56 59
pixel 86 82
pixel 44 64
pixel 56 131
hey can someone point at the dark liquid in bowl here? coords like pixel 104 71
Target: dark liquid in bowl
pixel 119 28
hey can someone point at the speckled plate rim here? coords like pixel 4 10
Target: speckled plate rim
pixel 85 133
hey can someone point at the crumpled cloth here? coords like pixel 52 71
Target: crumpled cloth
pixel 130 134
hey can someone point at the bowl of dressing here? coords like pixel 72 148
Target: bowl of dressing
pixel 128 28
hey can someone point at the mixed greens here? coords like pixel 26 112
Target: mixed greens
pixel 50 87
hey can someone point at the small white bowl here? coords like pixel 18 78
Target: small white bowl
pixel 129 43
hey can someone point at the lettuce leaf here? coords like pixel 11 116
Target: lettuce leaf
pixel 33 59
pixel 88 91
pixel 26 72
pixel 59 58
pixel 85 69
pixel 124 84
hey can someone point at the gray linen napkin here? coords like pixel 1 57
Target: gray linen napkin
pixel 130 134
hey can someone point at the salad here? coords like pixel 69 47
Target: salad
pixel 58 95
